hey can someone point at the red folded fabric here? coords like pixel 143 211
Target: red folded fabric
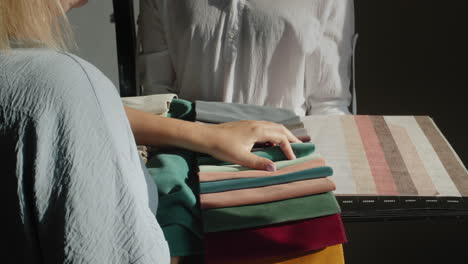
pixel 275 240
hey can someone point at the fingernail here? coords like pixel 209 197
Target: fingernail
pixel 271 167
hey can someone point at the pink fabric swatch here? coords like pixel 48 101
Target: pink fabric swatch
pixel 380 171
pixel 266 194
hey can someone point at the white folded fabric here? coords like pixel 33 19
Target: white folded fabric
pixel 157 104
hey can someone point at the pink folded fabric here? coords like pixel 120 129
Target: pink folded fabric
pixel 266 194
pixel 273 241
pixel 218 175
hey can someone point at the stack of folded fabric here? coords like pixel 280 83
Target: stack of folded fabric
pixel 284 216
pixel 288 216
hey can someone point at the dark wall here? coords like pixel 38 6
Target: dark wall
pixel 412 60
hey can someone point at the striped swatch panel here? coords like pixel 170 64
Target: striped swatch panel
pixel 388 155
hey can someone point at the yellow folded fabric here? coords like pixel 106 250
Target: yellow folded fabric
pixel 330 255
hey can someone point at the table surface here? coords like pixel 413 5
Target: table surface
pixel 390 167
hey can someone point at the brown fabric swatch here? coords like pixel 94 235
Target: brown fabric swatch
pixel 401 176
pixel 445 153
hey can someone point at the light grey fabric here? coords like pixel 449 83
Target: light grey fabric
pixel 300 132
pixel 72 181
pixel 218 112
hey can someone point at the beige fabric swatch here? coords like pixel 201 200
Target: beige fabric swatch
pixel 434 167
pixel 422 180
pixel 327 135
pixel 357 156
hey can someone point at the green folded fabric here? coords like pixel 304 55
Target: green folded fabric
pixel 273 153
pixel 244 183
pixel 279 164
pixel 174 171
pixel 181 109
pixel 248 216
pixel 182 242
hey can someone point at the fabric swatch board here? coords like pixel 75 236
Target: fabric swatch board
pixel 388 155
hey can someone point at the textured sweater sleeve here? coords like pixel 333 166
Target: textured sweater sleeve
pixel 81 192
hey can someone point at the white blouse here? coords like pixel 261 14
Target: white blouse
pixel 294 54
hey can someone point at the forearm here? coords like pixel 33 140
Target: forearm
pixel 154 130
pixel 230 141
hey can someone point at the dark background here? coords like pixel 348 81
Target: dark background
pixel 411 60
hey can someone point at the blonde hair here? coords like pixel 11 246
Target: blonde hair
pixel 33 23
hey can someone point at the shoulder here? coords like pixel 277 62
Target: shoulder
pixel 44 66
pixel 50 63
pixel 33 77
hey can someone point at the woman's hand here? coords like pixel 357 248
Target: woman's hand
pixel 233 142
pixel 230 142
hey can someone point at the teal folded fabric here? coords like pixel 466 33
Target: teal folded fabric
pixel 182 241
pixel 279 164
pixel 244 183
pixel 249 216
pixel 273 153
pixel 175 173
pixel 182 109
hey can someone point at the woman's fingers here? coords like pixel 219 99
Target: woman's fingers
pixel 304 138
pixel 244 135
pixel 291 137
pixel 287 149
pixel 255 162
pixel 283 138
